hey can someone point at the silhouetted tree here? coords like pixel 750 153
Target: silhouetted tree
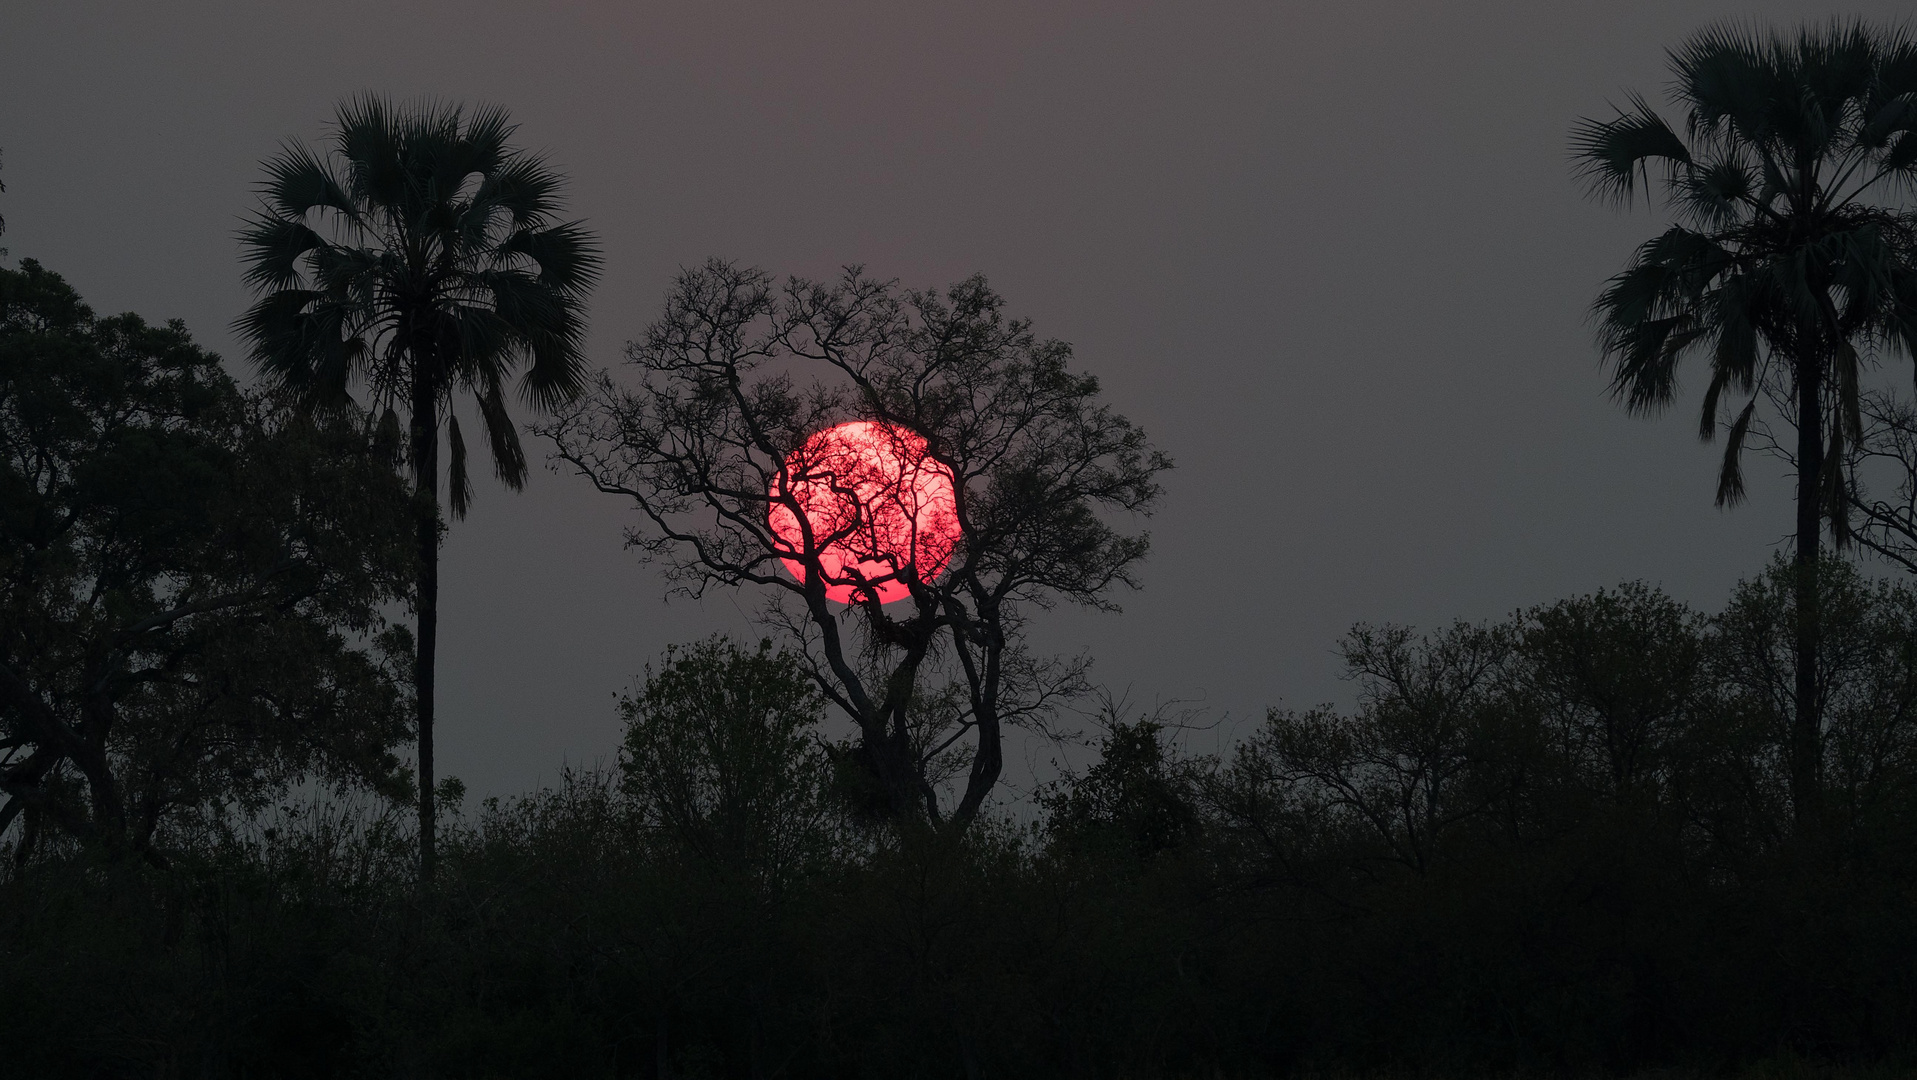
pixel 188 585
pixel 699 445
pixel 1886 456
pixel 421 258
pixel 1415 760
pixel 1785 269
pixel 726 776
pixel 1866 685
pixel 1134 794
pixel 721 757
pixel 1619 673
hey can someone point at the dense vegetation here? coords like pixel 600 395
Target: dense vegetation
pixel 192 584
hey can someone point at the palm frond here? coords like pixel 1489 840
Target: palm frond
pixel 1730 476
pixel 1902 156
pixel 275 327
pixel 1647 353
pixel 1886 116
pixel 486 135
pixel 1735 309
pixel 1892 108
pixel 272 248
pixel 1657 311
pixel 1727 78
pixel 1850 415
pixel 297 182
pixel 1718 193
pixel 567 256
pixel 367 138
pixel 553 335
pixel 1614 156
pixel 1832 485
pixel 523 188
pixel 509 457
pixel 1707 424
pixel 459 486
pixel 389 442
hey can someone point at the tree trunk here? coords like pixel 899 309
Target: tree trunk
pixel 898 773
pixel 109 808
pixel 987 762
pixel 425 423
pixel 1806 727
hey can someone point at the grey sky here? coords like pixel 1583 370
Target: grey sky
pixel 1329 255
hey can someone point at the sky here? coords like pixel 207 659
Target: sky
pixel 1331 257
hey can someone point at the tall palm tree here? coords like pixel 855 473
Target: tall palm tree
pixel 420 258
pixel 1789 269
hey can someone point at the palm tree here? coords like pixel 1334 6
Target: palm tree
pixel 420 258
pixel 1786 269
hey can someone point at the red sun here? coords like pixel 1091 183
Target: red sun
pixel 877 505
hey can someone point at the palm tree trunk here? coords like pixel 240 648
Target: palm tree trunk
pixel 425 424
pixel 1806 726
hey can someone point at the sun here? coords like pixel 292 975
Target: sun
pixel 880 509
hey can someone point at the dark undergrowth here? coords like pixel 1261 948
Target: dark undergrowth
pixel 1560 846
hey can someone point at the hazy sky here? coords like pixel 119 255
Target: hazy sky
pixel 1329 255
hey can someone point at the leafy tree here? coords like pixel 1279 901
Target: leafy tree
pixel 1619 673
pixel 1410 765
pixel 723 766
pixel 423 257
pixel 1134 793
pixel 721 756
pixel 1785 268
pixel 190 588
pixel 1866 688
pixel 699 444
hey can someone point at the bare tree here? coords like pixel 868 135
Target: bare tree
pixel 741 370
pixel 1886 455
pixel 1416 760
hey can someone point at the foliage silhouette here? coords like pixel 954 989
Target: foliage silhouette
pixel 722 758
pixel 190 586
pixel 1135 795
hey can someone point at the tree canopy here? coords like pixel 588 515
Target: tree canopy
pixel 192 586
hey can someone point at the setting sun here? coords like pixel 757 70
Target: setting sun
pixel 877 506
